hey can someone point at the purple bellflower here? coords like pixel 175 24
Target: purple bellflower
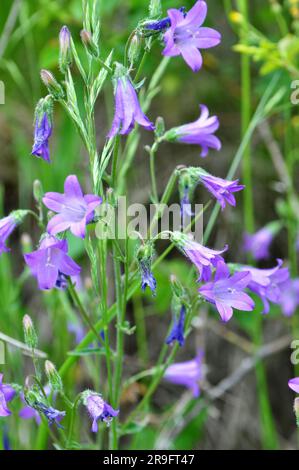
pixel 202 257
pixel 221 189
pixel 42 133
pixel 289 296
pixel 145 255
pixel 258 243
pixel 267 283
pixel 127 107
pixel 53 416
pixel 8 225
pixel 199 132
pixel 49 261
pixel 98 409
pixel 147 277
pixel 186 36
pixel 74 209
pixel 227 292
pixel 294 384
pixel 177 331
pixel 7 393
pixel 187 373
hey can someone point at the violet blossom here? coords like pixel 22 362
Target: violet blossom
pixel 145 255
pixel 74 209
pixel 98 409
pixel 202 257
pixel 127 107
pixel 187 373
pixel 7 393
pixel 294 384
pixel 50 261
pixel 7 226
pixel 267 283
pixel 51 414
pixel 258 244
pixel 147 277
pixel 42 133
pixel 227 292
pixel 177 331
pixel 289 296
pixel 221 189
pixel 186 36
pixel 199 132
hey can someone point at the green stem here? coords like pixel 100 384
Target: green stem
pixel 141 65
pixel 153 151
pixel 141 338
pixel 246 117
pixel 268 428
pixel 72 421
pixel 114 161
pixel 82 310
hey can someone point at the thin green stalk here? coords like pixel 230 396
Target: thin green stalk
pixel 268 429
pixel 115 161
pixel 142 346
pixel 82 311
pixel 74 409
pixel 246 117
pixel 141 65
pixel 291 226
pixel 153 151
pixel 269 439
pixel 105 320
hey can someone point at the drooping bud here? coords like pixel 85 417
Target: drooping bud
pixel 134 48
pixel 53 376
pixel 65 51
pixel 145 255
pixel 30 335
pixel 54 88
pixel 38 191
pixel 155 8
pixel 43 128
pixel 89 43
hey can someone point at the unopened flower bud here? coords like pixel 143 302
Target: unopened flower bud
pixel 134 48
pixel 145 255
pixel 54 88
pixel 89 43
pixel 53 376
pixel 38 192
pixel 155 8
pixel 65 52
pixel 30 335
